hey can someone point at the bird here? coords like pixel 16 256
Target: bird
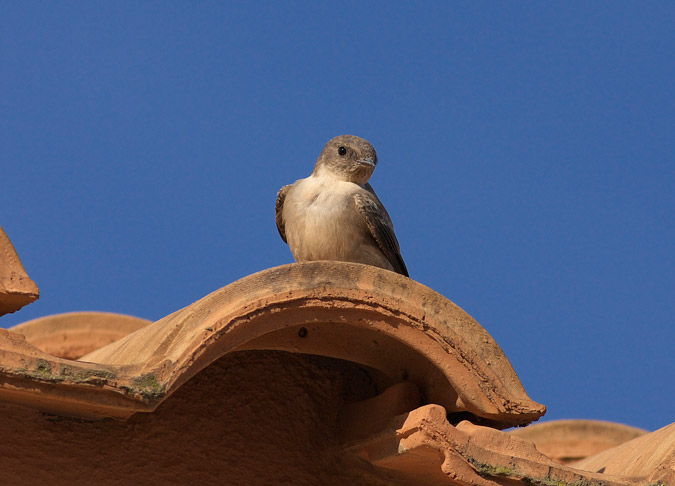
pixel 334 214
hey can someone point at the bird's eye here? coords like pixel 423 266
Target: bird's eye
pixel 342 151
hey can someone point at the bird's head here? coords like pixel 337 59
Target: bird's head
pixel 348 158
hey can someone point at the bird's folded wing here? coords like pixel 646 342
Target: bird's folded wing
pixel 381 228
pixel 279 209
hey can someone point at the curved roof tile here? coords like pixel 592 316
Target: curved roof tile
pixel 74 334
pixel 650 456
pixel 394 326
pixel 16 287
pixel 569 440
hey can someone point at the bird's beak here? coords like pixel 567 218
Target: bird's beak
pixel 367 161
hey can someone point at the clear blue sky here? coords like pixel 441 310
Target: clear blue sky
pixel 525 155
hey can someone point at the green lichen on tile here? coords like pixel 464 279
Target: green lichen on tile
pixel 41 372
pixel 87 375
pixel 548 481
pixel 490 470
pixel 108 375
pixel 485 469
pixel 147 386
pixel 43 369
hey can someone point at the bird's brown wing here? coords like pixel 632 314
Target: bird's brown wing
pixel 279 209
pixel 381 228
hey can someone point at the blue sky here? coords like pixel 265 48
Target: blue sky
pixel 525 155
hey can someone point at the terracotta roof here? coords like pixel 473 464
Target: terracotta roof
pixel 74 334
pixel 376 318
pixel 650 456
pixel 425 449
pixel 16 288
pixel 567 441
pixel 313 373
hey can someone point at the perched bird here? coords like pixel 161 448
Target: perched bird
pixel 334 213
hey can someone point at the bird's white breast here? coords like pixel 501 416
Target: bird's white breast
pixel 322 223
